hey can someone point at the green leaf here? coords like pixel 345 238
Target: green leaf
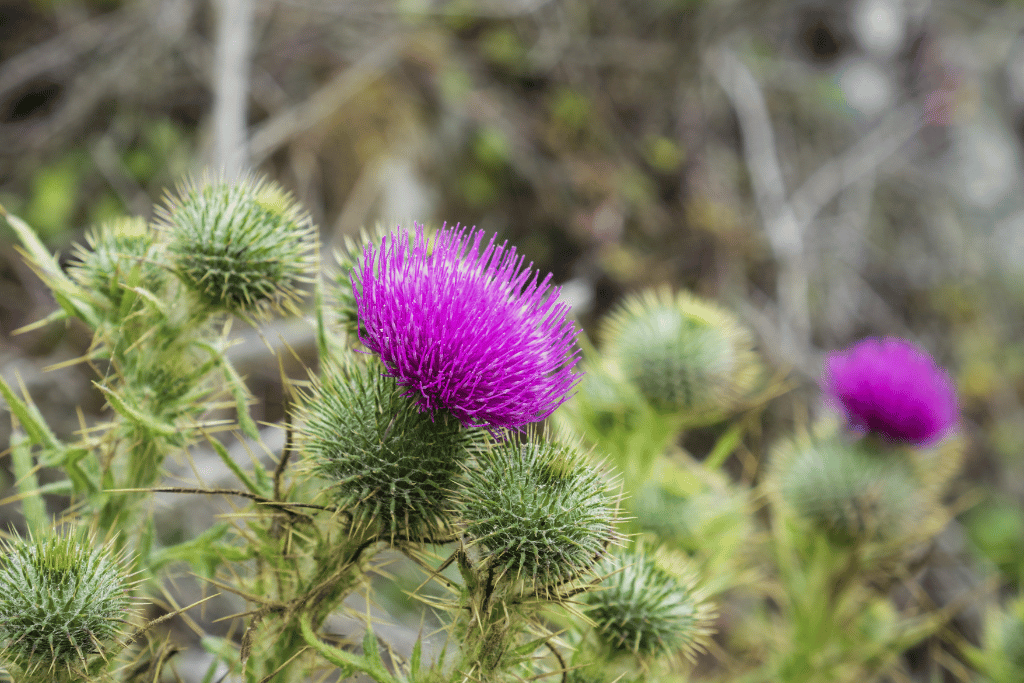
pixel 136 416
pixel 724 447
pixel 32 504
pixel 226 458
pixel 30 417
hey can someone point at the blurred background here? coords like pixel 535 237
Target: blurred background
pixel 827 169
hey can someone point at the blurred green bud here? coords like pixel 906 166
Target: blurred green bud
pixel 1011 638
pixel 119 255
pixel 849 492
pixel 61 601
pixel 539 511
pixel 649 605
pixel 245 247
pixel 390 466
pixel 686 356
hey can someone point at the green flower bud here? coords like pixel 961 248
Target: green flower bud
pixel 121 254
pixel 245 247
pixel 539 512
pixel 685 355
pixel 61 601
pixel 389 465
pixel 849 492
pixel 649 605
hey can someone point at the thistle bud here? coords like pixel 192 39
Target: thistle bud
pixel 649 605
pixel 539 511
pixel 61 602
pixel 119 255
pixel 245 247
pixel 389 465
pixel 848 492
pixel 686 356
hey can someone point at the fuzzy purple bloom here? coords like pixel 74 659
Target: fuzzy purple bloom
pixel 892 388
pixel 472 332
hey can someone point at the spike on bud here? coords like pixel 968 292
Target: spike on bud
pixel 245 247
pixel 389 465
pixel 686 356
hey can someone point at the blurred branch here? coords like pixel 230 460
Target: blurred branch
pixel 231 89
pixel 279 129
pixel 787 221
pixel 784 232
pixel 860 160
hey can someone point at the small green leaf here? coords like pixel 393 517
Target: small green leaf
pixel 136 416
pixel 226 458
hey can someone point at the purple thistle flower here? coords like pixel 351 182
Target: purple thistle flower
pixel 474 333
pixel 892 388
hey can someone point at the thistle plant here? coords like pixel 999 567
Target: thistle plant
pixel 415 442
pixel 648 606
pixel 844 490
pixel 892 389
pixel 64 606
pixel 119 256
pixel 538 512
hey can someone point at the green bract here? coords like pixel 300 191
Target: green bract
pixel 538 511
pixel 245 247
pixel 390 466
pixel 61 600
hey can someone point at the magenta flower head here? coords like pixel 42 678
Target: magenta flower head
pixel 472 332
pixel 893 389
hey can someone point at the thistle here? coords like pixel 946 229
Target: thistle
pixel 389 465
pixel 61 601
pixel 243 247
pixel 473 333
pixel 686 356
pixel 648 605
pixel 890 388
pixel 538 511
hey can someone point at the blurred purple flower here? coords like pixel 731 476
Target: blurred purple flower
pixel 892 388
pixel 474 333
